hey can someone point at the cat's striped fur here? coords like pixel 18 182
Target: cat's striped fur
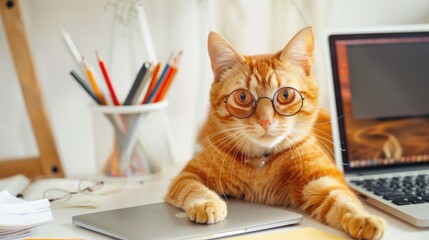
pixel 299 171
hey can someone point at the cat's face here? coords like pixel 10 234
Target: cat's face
pixel 246 86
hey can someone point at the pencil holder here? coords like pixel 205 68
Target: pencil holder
pixel 131 141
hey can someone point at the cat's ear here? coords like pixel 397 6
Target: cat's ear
pixel 222 54
pixel 299 50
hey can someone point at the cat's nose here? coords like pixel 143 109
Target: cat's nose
pixel 265 124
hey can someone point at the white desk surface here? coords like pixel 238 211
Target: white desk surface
pixel 153 191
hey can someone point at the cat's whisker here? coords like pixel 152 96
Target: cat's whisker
pixel 221 141
pixel 217 133
pixel 224 128
pixel 245 155
pixel 323 143
pixel 236 150
pixel 325 139
pixel 235 147
pixel 314 150
pixel 324 153
pixel 231 139
pixel 322 132
pixel 294 149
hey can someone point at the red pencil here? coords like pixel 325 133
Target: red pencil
pixel 107 78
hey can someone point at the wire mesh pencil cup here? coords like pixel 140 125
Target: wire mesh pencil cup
pixel 129 140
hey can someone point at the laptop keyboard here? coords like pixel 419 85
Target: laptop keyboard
pixel 399 190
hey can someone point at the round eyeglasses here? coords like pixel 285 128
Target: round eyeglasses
pixel 59 195
pixel 287 101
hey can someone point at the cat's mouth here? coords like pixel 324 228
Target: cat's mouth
pixel 266 135
pixel 267 139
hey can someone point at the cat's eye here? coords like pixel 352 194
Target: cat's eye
pixel 240 103
pixel 288 101
pixel 285 95
pixel 243 97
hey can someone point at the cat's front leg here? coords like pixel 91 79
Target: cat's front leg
pixel 200 203
pixel 331 201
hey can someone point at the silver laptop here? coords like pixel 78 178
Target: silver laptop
pixel 379 99
pixel 164 221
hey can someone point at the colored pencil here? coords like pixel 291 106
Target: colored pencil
pixel 164 83
pixel 169 79
pixel 93 82
pixel 137 82
pixel 86 87
pixel 160 80
pixel 107 79
pixel 144 86
pixel 152 83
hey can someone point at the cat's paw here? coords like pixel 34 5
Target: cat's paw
pixel 363 226
pixel 207 211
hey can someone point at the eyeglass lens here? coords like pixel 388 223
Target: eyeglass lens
pixel 287 101
pixel 61 195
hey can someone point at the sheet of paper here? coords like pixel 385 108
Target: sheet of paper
pixel 18 215
pixel 305 233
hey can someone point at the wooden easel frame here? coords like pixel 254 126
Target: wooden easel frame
pixel 48 163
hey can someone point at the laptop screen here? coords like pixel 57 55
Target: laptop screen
pixel 381 83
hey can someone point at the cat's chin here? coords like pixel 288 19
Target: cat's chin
pixel 267 140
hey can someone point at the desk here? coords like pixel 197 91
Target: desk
pixel 155 189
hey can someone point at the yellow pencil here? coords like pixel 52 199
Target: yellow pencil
pixel 93 83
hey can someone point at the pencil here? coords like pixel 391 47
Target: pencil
pixel 137 82
pixel 152 82
pixel 86 87
pixel 92 81
pixel 144 86
pixel 164 83
pixel 72 48
pixel 160 80
pixel 168 79
pixel 107 79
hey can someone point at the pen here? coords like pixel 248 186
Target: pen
pixel 86 87
pixel 107 78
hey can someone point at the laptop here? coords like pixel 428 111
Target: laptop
pixel 164 221
pixel 379 99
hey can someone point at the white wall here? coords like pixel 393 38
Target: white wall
pixel 333 14
pixel 175 25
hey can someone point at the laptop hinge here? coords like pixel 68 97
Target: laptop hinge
pixel 391 170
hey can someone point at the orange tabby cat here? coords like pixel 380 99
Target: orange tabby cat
pixel 260 143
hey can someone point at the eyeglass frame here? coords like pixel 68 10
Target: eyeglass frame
pixel 69 194
pixel 225 100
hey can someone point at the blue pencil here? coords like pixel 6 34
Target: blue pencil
pixel 158 84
